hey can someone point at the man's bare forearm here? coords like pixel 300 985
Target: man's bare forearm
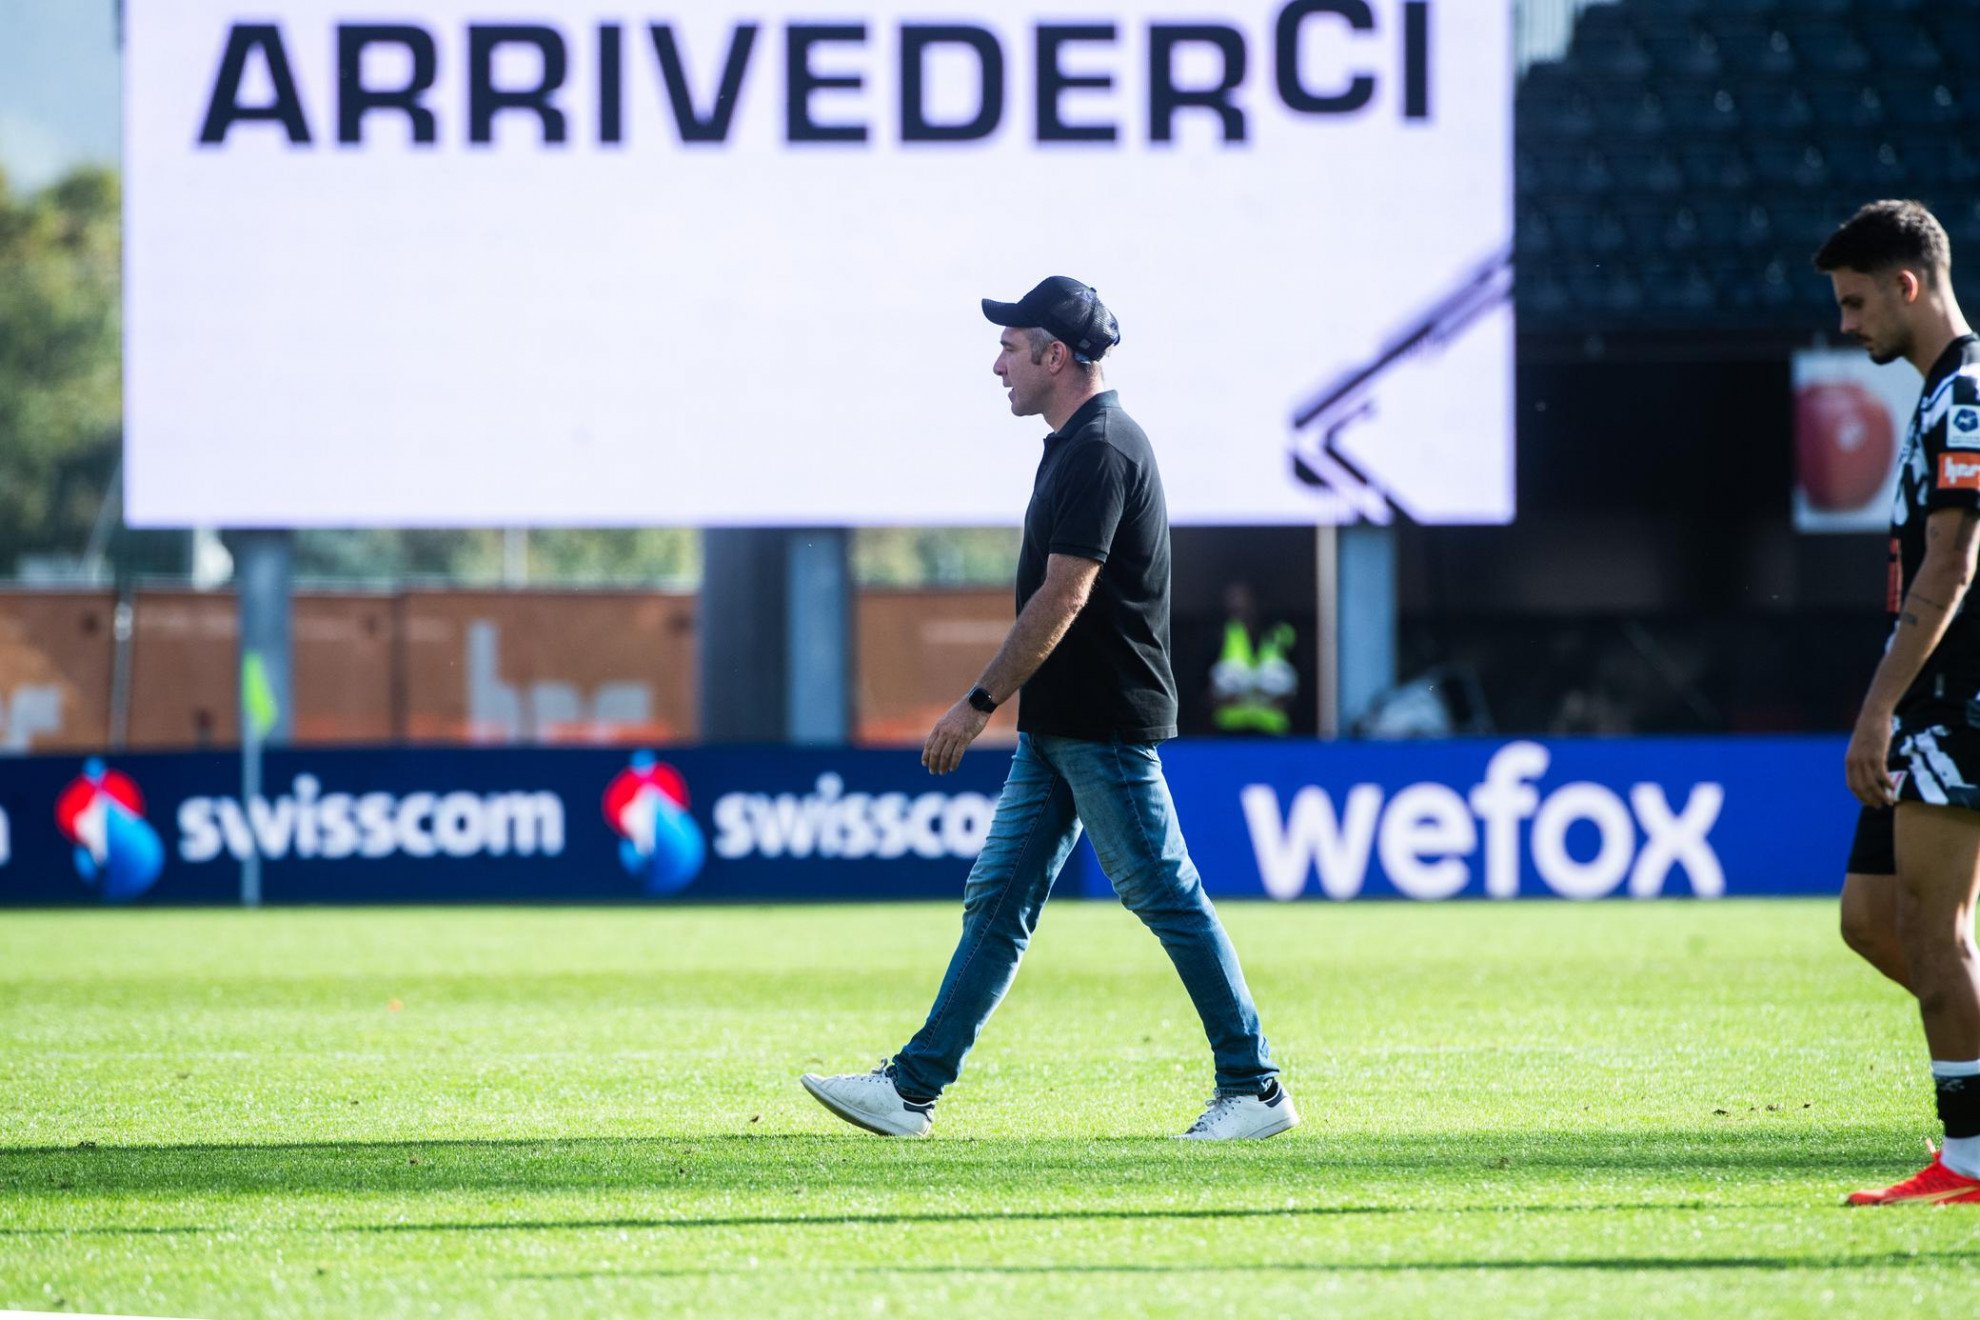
pixel 1923 617
pixel 1040 626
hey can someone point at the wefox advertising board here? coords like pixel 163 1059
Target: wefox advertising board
pixel 491 262
pixel 1639 819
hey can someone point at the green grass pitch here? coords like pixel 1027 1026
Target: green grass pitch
pixel 1615 1109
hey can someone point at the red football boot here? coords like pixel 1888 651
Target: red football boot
pixel 1935 1184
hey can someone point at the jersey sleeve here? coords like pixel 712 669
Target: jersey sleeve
pixel 1091 493
pixel 1952 444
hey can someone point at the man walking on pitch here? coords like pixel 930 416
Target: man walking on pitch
pixel 1914 868
pixel 1090 651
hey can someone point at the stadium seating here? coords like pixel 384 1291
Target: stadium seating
pixel 1682 160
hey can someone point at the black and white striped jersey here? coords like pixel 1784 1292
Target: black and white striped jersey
pixel 1939 468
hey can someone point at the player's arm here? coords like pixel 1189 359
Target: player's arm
pixel 1039 628
pixel 1952 537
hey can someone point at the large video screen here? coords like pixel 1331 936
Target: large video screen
pixel 479 262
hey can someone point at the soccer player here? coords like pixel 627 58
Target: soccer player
pixel 1914 868
pixel 1090 651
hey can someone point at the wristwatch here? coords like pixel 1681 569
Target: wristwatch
pixel 981 700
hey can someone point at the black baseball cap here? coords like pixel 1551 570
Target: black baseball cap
pixel 1067 310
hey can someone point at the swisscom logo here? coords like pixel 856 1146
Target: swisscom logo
pixel 659 843
pixel 101 812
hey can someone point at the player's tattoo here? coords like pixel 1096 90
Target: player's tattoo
pixel 1908 617
pixel 1967 519
pixel 1923 599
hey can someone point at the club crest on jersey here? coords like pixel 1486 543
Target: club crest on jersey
pixel 1963 428
pixel 1959 472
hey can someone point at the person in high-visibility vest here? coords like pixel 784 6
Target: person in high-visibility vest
pixel 1253 682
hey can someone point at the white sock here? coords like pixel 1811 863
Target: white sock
pixel 1960 1154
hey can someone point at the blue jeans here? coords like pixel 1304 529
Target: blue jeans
pixel 1116 790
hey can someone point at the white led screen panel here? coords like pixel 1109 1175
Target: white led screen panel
pixel 474 262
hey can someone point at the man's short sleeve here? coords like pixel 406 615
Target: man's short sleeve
pixel 1089 493
pixel 1952 445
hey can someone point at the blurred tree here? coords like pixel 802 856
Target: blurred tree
pixel 935 556
pixel 563 557
pixel 386 556
pixel 61 381
pixel 619 556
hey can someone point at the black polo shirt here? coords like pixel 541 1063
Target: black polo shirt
pixel 1098 495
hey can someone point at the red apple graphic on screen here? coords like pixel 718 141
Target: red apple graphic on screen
pixel 1843 444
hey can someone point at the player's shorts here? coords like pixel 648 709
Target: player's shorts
pixel 1937 762
pixel 1874 849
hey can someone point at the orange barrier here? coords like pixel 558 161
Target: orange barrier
pixel 451 667
pixel 56 653
pixel 919 650
pixel 422 667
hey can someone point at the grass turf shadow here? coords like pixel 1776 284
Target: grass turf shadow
pixel 775 1160
pixel 998 1171
pixel 883 1219
pixel 1619 1264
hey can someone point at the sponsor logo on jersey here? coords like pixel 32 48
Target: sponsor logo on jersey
pixel 1963 431
pixel 1959 472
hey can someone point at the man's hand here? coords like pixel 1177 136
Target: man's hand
pixel 951 737
pixel 1867 762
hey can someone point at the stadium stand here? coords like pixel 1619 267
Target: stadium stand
pixel 1680 162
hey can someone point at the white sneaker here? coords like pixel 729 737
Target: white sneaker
pixel 869 1100
pixel 1238 1117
